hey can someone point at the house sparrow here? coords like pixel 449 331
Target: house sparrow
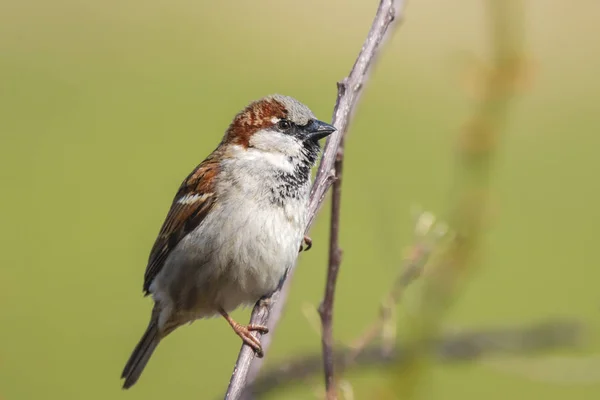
pixel 235 224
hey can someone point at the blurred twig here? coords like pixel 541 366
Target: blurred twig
pixel 478 142
pixel 426 236
pixel 557 370
pixel 349 90
pixel 461 347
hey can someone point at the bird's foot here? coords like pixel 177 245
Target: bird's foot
pixel 245 332
pixel 308 241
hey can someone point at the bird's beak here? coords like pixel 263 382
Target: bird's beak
pixel 316 130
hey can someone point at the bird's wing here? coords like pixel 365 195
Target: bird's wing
pixel 193 201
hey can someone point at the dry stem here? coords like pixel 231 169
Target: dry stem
pixel 335 259
pixel 426 236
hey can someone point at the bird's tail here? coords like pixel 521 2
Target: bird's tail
pixel 141 354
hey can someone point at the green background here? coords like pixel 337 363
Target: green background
pixel 105 106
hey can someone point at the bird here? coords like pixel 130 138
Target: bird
pixel 235 225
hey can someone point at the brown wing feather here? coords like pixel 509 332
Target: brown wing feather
pixel 191 204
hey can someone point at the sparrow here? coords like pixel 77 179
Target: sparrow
pixel 235 225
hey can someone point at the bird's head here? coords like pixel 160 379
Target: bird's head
pixel 278 124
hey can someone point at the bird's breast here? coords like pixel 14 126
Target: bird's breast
pixel 238 254
pixel 241 250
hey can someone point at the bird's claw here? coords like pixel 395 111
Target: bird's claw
pixel 245 332
pixel 308 241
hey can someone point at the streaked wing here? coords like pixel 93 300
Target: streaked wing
pixel 191 204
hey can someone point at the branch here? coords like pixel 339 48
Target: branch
pixel 268 312
pixel 335 259
pixel 462 347
pixel 427 235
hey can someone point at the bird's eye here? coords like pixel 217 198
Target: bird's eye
pixel 284 125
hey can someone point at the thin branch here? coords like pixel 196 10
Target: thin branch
pixel 426 237
pixel 335 259
pixel 268 312
pixel 460 347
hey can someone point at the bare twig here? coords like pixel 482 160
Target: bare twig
pixel 335 259
pixel 461 347
pixel 426 237
pixel 268 312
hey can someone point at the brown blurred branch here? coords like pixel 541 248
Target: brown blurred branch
pixel 460 347
pixel 478 143
pixel 268 312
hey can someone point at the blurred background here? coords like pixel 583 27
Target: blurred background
pixel 106 106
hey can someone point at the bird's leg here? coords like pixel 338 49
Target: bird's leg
pixel 308 241
pixel 244 331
